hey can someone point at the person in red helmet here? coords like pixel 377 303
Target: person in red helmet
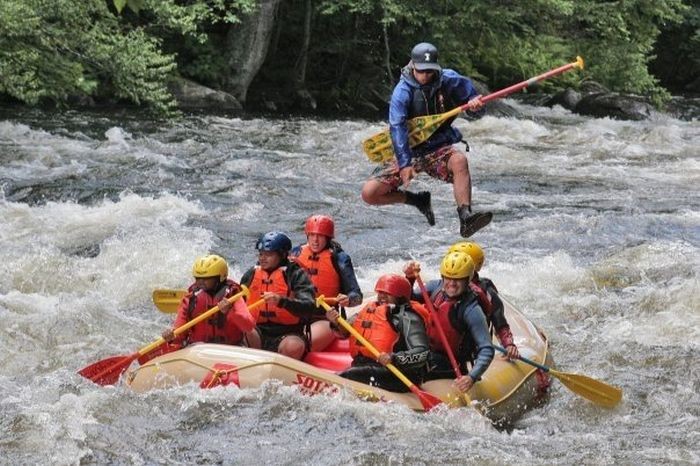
pixel 211 288
pixel 289 298
pixel 330 270
pixel 396 327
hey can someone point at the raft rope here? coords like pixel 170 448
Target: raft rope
pixel 218 375
pixel 366 395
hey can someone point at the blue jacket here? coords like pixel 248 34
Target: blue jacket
pixel 455 88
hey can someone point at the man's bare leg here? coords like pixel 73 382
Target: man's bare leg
pixel 377 193
pixel 461 179
pixel 469 222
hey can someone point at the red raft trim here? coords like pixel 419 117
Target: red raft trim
pixel 221 374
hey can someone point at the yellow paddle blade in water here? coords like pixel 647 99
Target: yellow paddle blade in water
pixel 593 390
pixel 167 300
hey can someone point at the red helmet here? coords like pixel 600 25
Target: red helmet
pixel 321 225
pixel 394 285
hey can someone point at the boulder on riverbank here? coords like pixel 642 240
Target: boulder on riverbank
pixel 191 96
pixel 615 105
pixel 593 99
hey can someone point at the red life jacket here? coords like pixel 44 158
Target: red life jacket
pixel 274 282
pixel 219 328
pixel 483 297
pixel 372 322
pixel 320 269
pixel 444 315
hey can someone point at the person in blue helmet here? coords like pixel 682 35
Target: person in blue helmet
pixel 426 88
pixel 282 322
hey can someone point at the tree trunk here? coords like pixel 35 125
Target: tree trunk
pixel 304 98
pixel 246 45
pixel 303 58
pixel 387 55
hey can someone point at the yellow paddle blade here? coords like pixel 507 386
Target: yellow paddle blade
pixel 594 390
pixel 167 300
pixel 379 148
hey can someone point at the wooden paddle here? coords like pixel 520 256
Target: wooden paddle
pixel 427 400
pixel 168 300
pixel 379 148
pixel 594 390
pixel 107 371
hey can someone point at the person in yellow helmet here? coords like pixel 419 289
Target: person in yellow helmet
pixel 458 312
pixel 211 288
pixel 487 294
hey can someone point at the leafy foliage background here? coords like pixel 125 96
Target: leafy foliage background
pixel 53 51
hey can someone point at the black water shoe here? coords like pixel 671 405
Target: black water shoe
pixel 421 201
pixel 470 223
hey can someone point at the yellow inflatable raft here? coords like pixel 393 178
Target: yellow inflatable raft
pixel 505 392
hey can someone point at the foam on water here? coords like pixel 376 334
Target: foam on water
pixel 596 237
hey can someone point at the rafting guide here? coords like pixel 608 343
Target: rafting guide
pixel 426 88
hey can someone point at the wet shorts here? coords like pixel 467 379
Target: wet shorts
pixel 434 164
pixel 271 337
pixel 440 367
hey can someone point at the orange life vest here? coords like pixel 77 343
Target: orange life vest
pixel 443 309
pixel 273 282
pixel 372 322
pixel 320 269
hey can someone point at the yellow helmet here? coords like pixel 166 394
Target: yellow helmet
pixel 471 248
pixel 457 265
pixel 210 266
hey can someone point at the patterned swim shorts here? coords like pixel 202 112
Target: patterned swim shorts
pixel 434 164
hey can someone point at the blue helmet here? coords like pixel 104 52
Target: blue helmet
pixel 274 241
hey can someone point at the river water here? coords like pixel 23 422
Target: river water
pixel 596 237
